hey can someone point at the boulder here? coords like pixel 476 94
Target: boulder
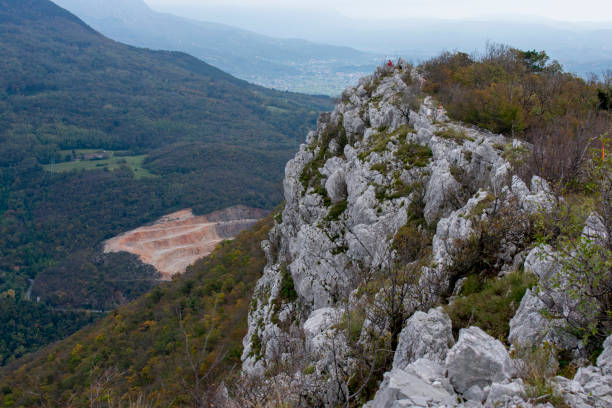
pixel 441 192
pixel 477 359
pixel 595 230
pixel 420 385
pixel 540 261
pixel 353 124
pixel 426 335
pixel 336 187
pixel 502 394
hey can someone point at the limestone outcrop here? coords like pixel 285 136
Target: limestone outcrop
pixel 376 169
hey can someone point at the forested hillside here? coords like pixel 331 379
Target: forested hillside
pixel 97 138
pixel 146 349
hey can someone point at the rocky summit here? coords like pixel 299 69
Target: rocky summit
pixel 365 261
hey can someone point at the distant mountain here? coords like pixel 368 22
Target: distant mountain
pixel 97 138
pixel 291 64
pixel 581 48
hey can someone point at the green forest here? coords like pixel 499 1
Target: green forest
pixel 179 133
pixel 145 349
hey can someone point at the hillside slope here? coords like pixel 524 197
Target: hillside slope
pixel 277 63
pixel 176 133
pixel 139 350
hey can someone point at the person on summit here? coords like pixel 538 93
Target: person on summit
pixel 390 64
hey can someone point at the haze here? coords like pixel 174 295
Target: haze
pixel 588 10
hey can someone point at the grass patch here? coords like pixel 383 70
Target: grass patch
pixel 414 155
pixel 337 210
pixel 490 304
pixel 352 322
pixel 380 167
pixel 378 142
pixel 114 162
pixel 287 292
pixel 457 135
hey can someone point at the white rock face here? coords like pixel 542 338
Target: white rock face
pixel 426 335
pixel 318 326
pixel 529 327
pixel 348 191
pixel 477 359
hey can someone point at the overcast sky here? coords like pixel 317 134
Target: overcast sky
pixel 565 10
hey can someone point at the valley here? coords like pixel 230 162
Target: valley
pixel 98 138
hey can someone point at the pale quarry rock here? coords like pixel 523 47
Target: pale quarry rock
pixel 426 335
pixel 179 239
pixel 477 359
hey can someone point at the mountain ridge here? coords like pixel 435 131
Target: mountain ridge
pixel 255 57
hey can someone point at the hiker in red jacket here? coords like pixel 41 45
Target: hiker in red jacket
pixel 390 64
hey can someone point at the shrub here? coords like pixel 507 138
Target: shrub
pixel 489 303
pixel 536 366
pixel 337 210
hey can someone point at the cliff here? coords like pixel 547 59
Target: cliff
pixel 391 209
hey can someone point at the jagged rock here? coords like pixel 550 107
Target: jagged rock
pixel 426 335
pixel 336 187
pixel 327 258
pixel 441 192
pixel 317 326
pixel 604 361
pixel 541 263
pixel 529 327
pixel 595 230
pixel 504 394
pixel 353 124
pixel 454 227
pixel 574 394
pixel 595 383
pixel 477 359
pixel 421 384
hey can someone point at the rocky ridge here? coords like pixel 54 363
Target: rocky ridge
pixel 383 160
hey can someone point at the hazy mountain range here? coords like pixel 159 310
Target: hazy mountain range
pixel 287 64
pixel 581 47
